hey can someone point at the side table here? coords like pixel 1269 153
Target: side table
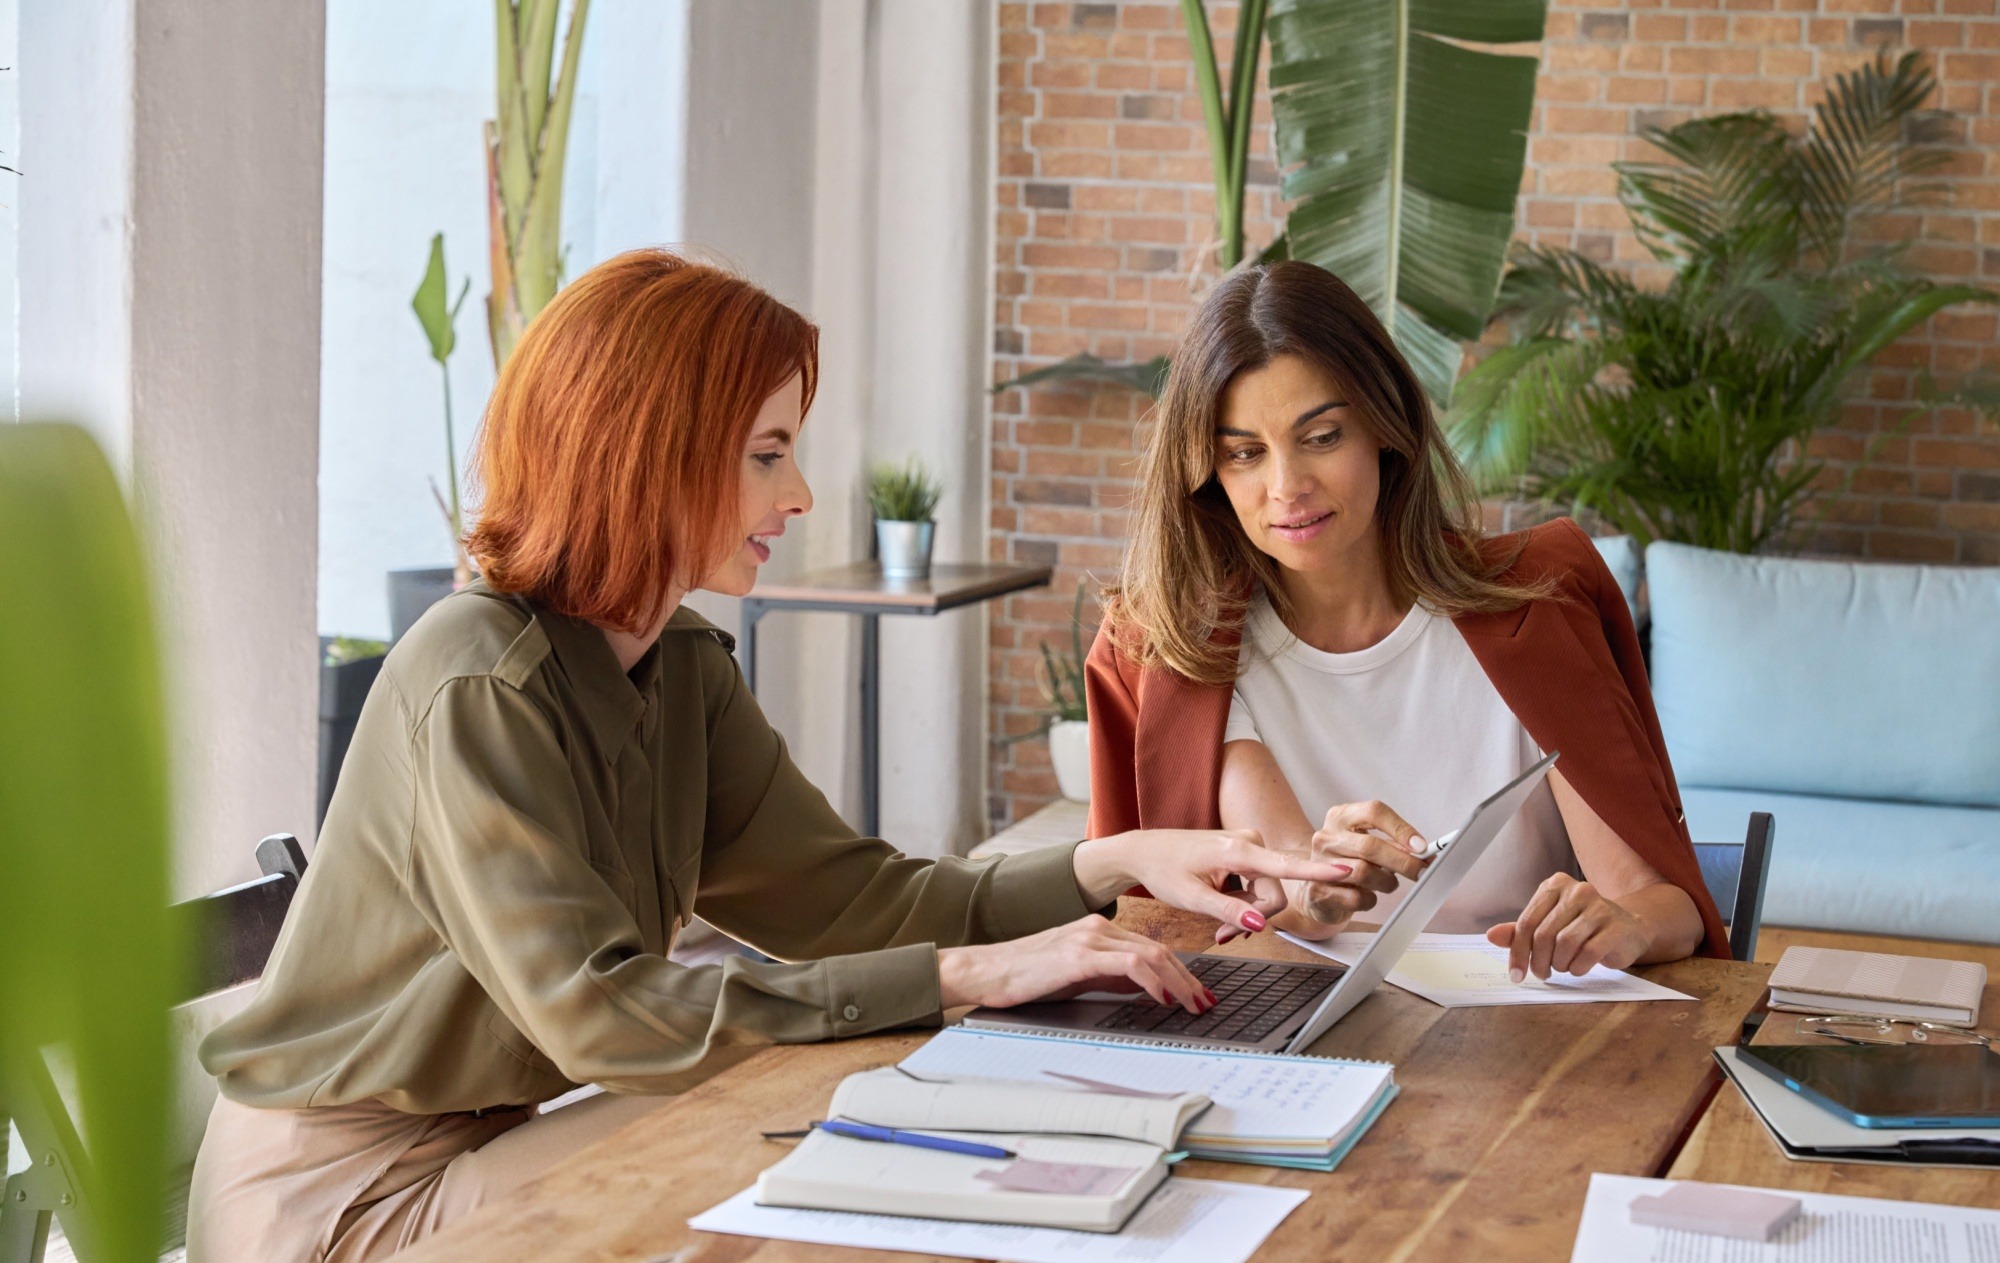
pixel 860 589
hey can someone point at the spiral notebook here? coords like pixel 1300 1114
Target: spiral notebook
pixel 1080 1159
pixel 1268 1109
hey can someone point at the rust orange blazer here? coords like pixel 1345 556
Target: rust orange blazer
pixel 1568 667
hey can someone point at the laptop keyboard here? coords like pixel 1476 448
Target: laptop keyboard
pixel 1255 998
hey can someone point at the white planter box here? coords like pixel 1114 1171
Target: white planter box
pixel 1069 750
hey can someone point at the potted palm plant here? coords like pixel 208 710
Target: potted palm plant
pixel 905 501
pixel 1683 413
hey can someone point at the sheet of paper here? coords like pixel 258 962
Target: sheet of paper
pixel 1829 1229
pixel 1186 1221
pixel 1464 970
pixel 1254 1095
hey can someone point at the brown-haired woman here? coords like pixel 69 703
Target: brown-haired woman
pixel 559 767
pixel 1311 639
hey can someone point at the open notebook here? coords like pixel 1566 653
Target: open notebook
pixel 1085 1159
pixel 1269 1109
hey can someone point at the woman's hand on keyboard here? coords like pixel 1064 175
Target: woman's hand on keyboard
pixel 1089 954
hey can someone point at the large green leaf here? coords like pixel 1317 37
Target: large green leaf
pixel 90 961
pixel 1148 377
pixel 1404 151
pixel 439 318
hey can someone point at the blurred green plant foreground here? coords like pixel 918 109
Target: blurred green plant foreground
pixel 88 963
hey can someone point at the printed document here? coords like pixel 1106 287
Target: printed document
pixel 1464 970
pixel 1186 1221
pixel 1829 1229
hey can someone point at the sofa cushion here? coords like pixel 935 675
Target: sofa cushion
pixel 1621 554
pixel 1863 679
pixel 1867 867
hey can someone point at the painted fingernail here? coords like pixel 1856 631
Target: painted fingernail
pixel 1515 975
pixel 1211 996
pixel 1252 919
pixel 1343 869
pixel 1417 844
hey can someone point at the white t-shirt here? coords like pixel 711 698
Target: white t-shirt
pixel 1412 721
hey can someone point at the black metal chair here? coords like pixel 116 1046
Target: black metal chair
pixel 233 931
pixel 1734 873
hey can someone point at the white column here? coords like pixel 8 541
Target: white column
pixel 899 230
pixel 170 298
pixel 845 164
pixel 747 204
pixel 931 313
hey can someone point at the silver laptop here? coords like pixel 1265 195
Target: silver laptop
pixel 1274 1006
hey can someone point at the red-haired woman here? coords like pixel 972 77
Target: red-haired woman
pixel 560 766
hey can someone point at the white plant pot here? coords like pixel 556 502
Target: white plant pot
pixel 905 548
pixel 1069 750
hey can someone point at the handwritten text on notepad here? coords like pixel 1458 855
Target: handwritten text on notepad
pixel 1255 1095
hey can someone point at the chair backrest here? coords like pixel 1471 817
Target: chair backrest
pixel 233 931
pixel 1735 873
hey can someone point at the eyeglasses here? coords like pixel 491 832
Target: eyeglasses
pixel 1885 1030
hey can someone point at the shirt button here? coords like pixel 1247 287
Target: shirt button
pixel 852 1013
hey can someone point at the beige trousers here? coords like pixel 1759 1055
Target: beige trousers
pixel 356 1183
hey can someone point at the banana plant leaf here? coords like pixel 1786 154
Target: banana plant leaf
pixel 526 146
pixel 1403 150
pixel 1148 378
pixel 440 320
pixel 91 959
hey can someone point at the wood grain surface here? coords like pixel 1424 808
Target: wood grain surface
pixel 1504 1114
pixel 1729 1145
pixel 949 586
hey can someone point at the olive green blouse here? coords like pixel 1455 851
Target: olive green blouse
pixel 519 830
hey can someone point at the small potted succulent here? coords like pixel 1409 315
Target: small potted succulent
pixel 1068 722
pixel 904 501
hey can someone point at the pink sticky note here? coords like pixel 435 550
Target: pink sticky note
pixel 1717 1210
pixel 1079 1179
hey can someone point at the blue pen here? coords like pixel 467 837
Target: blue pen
pixel 889 1135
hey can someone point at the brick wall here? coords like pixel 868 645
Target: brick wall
pixel 1103 244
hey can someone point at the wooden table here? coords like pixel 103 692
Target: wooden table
pixel 1730 1146
pixel 862 590
pixel 1485 1156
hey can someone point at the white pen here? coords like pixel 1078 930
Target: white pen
pixel 1437 846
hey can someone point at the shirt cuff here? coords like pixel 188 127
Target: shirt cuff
pixel 1033 891
pixel 876 991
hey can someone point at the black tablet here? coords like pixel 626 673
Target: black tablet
pixel 1890 1085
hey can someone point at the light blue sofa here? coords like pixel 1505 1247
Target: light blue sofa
pixel 1859 703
